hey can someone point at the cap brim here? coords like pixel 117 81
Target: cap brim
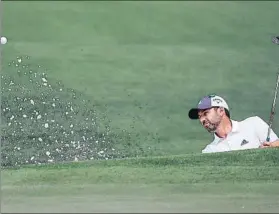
pixel 193 114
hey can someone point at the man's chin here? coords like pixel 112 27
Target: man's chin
pixel 210 130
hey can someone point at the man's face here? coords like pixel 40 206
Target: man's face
pixel 211 118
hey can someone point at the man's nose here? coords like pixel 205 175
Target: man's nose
pixel 202 120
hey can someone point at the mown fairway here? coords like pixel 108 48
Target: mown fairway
pixel 237 182
pixel 145 64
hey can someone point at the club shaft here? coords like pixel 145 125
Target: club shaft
pixel 272 109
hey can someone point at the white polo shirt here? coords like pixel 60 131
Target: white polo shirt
pixel 246 134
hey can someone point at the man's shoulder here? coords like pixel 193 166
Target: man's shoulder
pixel 253 120
pixel 211 146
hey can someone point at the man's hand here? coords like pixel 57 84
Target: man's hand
pixel 270 144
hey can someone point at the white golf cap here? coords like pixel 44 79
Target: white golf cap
pixel 208 102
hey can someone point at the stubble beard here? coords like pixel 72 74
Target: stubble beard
pixel 211 127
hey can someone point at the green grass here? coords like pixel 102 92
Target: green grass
pixel 244 181
pixel 160 56
pixel 146 64
pixel 245 166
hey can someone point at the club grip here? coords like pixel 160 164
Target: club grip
pixel 267 139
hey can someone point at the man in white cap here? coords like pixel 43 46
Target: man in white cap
pixel 214 115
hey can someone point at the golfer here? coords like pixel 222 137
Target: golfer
pixel 213 113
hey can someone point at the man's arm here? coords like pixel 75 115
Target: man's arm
pixel 270 144
pixel 261 129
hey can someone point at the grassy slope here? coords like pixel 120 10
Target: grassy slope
pixel 247 166
pixel 160 56
pixel 230 182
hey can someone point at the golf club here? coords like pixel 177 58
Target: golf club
pixel 272 113
pixel 275 40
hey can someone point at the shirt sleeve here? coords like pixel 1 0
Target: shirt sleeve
pixel 262 129
pixel 207 149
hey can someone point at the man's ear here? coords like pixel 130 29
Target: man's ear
pixel 221 109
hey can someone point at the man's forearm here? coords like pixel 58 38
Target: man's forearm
pixel 275 143
pixel 270 144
